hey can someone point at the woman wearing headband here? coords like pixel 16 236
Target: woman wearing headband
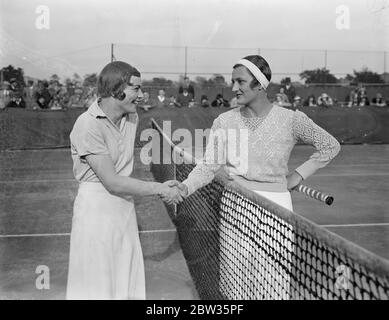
pixel 265 135
pixel 272 132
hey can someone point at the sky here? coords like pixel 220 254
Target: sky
pixel 152 34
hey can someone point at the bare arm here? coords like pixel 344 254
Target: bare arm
pixel 120 186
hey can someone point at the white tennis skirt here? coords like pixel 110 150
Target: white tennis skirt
pixel 106 260
pixel 281 198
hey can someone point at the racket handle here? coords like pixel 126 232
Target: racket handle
pixel 315 194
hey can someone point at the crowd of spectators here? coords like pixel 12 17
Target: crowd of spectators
pixel 49 95
pixel 185 98
pixel 286 97
pixel 57 96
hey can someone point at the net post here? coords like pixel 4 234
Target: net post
pixel 174 177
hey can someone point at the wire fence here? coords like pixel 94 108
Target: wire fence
pixel 172 61
pixel 203 61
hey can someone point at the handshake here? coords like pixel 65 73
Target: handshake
pixel 172 191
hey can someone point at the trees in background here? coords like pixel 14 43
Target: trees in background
pixel 216 80
pixel 158 82
pixel 365 76
pixel 10 72
pixel 55 78
pixel 90 80
pixel 324 76
pixel 318 75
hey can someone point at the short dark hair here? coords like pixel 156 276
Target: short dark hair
pixel 261 63
pixel 114 78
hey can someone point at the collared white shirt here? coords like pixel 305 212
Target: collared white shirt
pixel 94 133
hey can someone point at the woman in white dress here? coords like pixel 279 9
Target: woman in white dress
pixel 106 260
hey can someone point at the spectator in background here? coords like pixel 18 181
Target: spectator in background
pixel 162 100
pixel 146 104
pixel 4 94
pixel 64 97
pixel 29 92
pixel 354 102
pixel 75 100
pixel 55 104
pixel 186 85
pixel 310 101
pixel 42 95
pixel 220 101
pixel 290 91
pixel 54 88
pixel 55 91
pixel 280 101
pixel 17 101
pixel 204 101
pixel 297 103
pixel 378 101
pixel 234 103
pixel 361 93
pixel 350 96
pixel 284 96
pixel 14 86
pixel 173 101
pixel 5 89
pixel 325 100
pixel 364 102
pixel 90 98
pixel 184 98
pixel 70 87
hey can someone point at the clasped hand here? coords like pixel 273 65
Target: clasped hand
pixel 173 191
pixel 293 180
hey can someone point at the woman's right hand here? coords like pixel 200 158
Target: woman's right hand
pixel 169 194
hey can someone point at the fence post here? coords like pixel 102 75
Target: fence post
pixel 112 55
pixel 325 59
pixel 302 62
pixel 186 61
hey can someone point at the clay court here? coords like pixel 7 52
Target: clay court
pixel 38 190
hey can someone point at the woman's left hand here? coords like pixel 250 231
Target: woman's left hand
pixel 293 180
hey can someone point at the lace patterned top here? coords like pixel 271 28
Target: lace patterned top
pixel 256 151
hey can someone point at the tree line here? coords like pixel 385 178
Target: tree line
pixel 319 76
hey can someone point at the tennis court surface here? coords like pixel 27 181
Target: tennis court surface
pixel 38 189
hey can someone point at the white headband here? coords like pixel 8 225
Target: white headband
pixel 255 71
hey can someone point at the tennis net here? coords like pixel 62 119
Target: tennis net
pixel 239 245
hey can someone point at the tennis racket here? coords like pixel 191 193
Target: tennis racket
pixel 315 194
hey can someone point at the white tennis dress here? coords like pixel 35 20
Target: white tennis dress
pixel 106 260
